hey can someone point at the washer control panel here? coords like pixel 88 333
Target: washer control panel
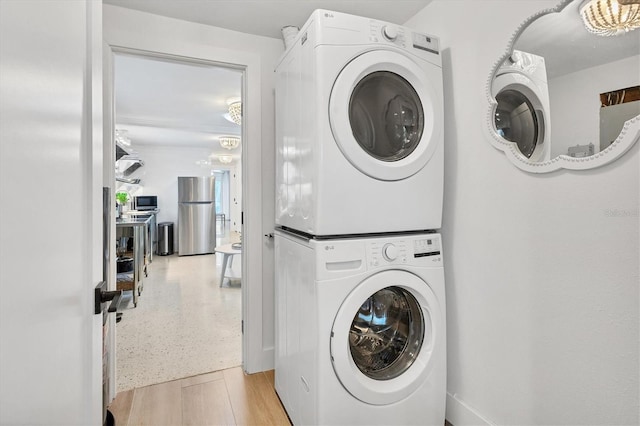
pixel 382 252
pixel 425 42
pixel 424 249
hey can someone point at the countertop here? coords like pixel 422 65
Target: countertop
pixel 132 221
pixel 141 212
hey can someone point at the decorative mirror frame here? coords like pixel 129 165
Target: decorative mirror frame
pixel 628 136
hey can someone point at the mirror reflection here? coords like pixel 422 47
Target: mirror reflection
pixel 564 90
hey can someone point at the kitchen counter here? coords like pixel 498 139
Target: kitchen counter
pixel 141 212
pixel 152 227
pixel 132 221
pixel 138 228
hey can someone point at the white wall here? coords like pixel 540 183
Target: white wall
pixel 129 28
pixel 159 176
pixel 575 102
pixel 541 270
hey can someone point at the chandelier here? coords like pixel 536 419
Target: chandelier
pixel 610 17
pixel 235 112
pixel 225 159
pixel 229 142
pixel 121 137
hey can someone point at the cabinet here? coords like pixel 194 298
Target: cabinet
pixel 133 241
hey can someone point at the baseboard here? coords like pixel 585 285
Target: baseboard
pixel 264 361
pixel 461 414
pixel 268 358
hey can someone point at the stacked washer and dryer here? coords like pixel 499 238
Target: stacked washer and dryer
pixel 360 300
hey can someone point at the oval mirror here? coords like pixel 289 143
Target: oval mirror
pixel 564 97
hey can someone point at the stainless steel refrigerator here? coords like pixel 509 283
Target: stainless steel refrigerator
pixel 196 215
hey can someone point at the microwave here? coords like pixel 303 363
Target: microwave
pixel 145 202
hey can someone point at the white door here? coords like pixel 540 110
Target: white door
pixel 384 112
pixel 384 335
pixel 50 213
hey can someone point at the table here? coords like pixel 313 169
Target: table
pixel 136 228
pixel 227 252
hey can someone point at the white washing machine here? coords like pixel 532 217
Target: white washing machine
pixel 360 329
pixel 359 128
pixel 523 112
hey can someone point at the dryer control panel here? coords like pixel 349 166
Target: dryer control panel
pixel 382 31
pixel 424 250
pixel 385 32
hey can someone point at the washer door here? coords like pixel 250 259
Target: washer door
pixel 520 115
pixel 383 112
pixel 383 337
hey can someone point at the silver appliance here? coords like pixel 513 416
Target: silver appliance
pixel 196 215
pixel 145 202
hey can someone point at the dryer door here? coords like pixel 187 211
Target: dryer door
pixel 384 335
pixel 520 114
pixel 386 114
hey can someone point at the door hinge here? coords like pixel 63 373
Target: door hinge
pixel 242 326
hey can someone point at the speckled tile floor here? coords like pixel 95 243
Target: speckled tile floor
pixel 185 323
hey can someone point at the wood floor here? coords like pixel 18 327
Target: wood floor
pixel 227 397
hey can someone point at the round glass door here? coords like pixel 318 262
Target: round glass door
pixel 516 120
pixel 386 116
pixel 386 333
pixel 384 336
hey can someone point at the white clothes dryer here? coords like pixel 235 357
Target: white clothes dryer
pixel 522 113
pixel 360 329
pixel 359 128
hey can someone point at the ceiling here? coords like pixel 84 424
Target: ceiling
pixel 160 102
pixel 562 39
pixel 267 17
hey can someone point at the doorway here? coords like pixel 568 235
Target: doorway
pixel 174 116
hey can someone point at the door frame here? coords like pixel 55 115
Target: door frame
pixel 251 170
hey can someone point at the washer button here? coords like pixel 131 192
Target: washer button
pixel 390 33
pixel 390 252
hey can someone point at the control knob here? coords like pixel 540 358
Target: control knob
pixel 390 33
pixel 390 252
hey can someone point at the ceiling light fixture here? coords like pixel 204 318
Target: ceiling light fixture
pixel 122 138
pixel 235 112
pixel 610 17
pixel 225 159
pixel 229 142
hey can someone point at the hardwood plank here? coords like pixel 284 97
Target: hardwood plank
pixel 121 407
pixel 253 399
pixel 271 376
pixel 202 378
pixel 206 404
pixel 157 405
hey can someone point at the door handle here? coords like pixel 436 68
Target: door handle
pixel 101 295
